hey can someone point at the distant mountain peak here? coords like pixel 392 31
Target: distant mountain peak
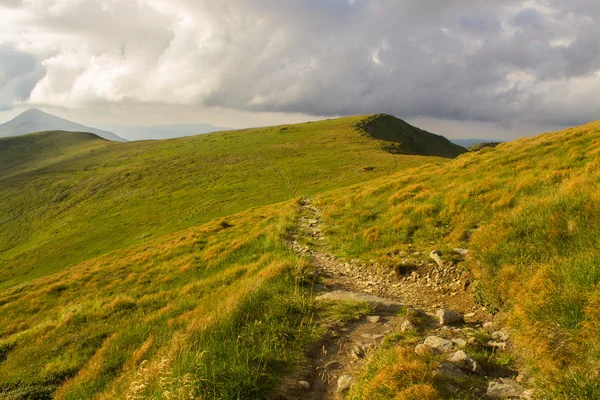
pixel 35 120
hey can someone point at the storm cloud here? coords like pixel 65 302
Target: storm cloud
pixel 485 61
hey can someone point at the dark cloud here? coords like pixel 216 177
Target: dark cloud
pixel 461 60
pixel 19 73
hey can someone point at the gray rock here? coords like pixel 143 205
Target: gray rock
pixel 450 371
pixel 373 319
pixel 466 362
pixel 304 385
pixel 436 256
pixel 447 317
pixel 504 390
pixel 378 302
pixel 438 343
pixel 344 383
pixel 425 350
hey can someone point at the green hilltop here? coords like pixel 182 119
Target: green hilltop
pixel 67 197
pixel 159 269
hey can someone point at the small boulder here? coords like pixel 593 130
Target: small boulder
pixel 425 350
pixel 504 390
pixel 305 385
pixel 447 317
pixel 436 255
pixel 450 371
pixel 466 362
pixel 374 319
pixel 344 383
pixel 439 343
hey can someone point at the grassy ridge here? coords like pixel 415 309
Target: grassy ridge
pixel 407 139
pixel 80 197
pixel 529 211
pixel 206 312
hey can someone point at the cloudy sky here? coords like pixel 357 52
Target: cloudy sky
pixel 462 68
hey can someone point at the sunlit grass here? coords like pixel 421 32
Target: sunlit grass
pixel 529 211
pixel 67 197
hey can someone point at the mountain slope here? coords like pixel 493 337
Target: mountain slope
pixel 407 139
pixel 223 309
pixel 34 120
pixel 529 212
pixel 61 211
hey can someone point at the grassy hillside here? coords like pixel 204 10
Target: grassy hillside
pixel 207 312
pixel 529 211
pixel 158 270
pixel 407 139
pixel 69 197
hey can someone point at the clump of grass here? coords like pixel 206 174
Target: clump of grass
pixel 342 312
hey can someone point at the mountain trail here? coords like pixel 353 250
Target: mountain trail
pixel 423 284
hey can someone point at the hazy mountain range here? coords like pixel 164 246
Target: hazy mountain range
pixel 34 120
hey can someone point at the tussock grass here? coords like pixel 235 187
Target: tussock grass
pixel 529 211
pixel 206 311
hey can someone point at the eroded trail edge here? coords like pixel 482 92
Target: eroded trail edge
pixel 421 294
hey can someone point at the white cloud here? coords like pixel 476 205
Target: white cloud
pixel 531 61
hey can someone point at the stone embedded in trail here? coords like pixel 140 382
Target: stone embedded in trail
pixel 378 302
pixel 439 343
pixel 344 383
pixel 465 361
pixel 373 318
pixel 449 370
pixel 506 389
pixel 447 317
pixel 425 350
pixel 436 255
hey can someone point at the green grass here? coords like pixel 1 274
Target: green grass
pixel 177 309
pixel 158 269
pixel 529 211
pixel 69 197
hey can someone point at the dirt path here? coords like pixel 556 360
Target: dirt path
pixel 417 281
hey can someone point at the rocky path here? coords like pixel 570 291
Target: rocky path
pixel 437 291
